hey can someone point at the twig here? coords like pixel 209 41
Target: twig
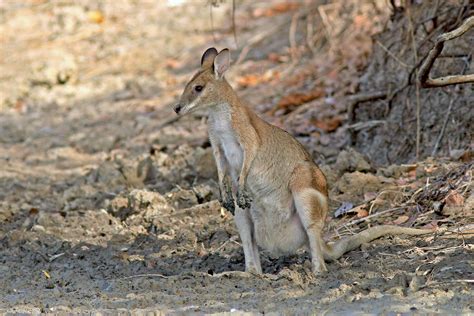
pixel 447 282
pixel 392 54
pixel 418 115
pixel 423 75
pixel 357 221
pixel 212 22
pixel 354 101
pixel 366 96
pixel 54 257
pixel 151 275
pixel 326 24
pixel 441 133
pixel 292 36
pixel 417 84
pixel 365 125
pixel 231 239
pixel 233 24
pixel 257 39
pixel 309 33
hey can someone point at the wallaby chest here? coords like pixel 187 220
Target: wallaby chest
pixel 222 134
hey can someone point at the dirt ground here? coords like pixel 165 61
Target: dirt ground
pixel 109 204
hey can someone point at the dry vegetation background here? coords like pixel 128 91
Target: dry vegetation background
pixel 108 202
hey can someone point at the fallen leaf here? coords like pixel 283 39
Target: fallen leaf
pixel 172 63
pixel 432 225
pixel 408 183
pixel 33 211
pixel 410 170
pixel 299 77
pixel 401 219
pixel 276 58
pixel 291 101
pixel 454 198
pixel 412 174
pixel 361 212
pixel 248 80
pixel 46 274
pixel 278 8
pixel 328 125
pixel 170 81
pixel 401 181
pixel 251 80
pixel 20 106
pixel 333 74
pixel 370 196
pixel 430 169
pixel 467 156
pixel 96 16
pixel 461 154
pixel 343 209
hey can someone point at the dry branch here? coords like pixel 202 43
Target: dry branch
pixel 443 129
pixel 259 37
pixel 423 75
pixel 353 102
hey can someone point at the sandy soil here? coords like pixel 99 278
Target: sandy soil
pixel 106 205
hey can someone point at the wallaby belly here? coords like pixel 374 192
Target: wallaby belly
pixel 277 226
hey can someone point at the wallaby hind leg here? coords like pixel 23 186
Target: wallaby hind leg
pixel 245 227
pixel 308 187
pixel 310 208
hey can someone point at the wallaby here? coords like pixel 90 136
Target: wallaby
pixel 267 180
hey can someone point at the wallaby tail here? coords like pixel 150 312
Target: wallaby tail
pixel 335 250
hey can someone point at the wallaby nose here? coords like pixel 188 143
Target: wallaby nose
pixel 177 108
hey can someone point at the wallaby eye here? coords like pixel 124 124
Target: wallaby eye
pixel 198 88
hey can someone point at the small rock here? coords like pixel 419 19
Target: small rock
pixel 38 229
pixel 146 170
pixel 45 219
pixel 118 206
pixel 107 173
pixel 218 238
pixel 416 283
pixel 141 199
pixel 59 68
pixel 469 204
pixel 4 270
pixel 397 290
pixel 50 285
pixel 182 199
pixel 392 171
pixel 398 284
pixel 358 183
pixel 399 279
pixel 204 192
pixel 350 160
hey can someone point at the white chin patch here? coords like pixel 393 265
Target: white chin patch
pixel 191 106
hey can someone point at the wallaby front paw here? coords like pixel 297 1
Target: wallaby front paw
pixel 228 204
pixel 227 200
pixel 243 200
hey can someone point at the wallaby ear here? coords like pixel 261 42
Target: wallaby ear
pixel 221 63
pixel 207 59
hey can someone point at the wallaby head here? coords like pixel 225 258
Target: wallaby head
pixel 207 87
